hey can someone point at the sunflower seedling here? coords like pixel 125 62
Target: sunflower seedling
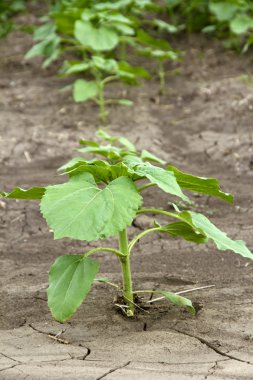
pixel 99 200
pixel 103 71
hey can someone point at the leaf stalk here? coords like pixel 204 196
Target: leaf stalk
pixel 101 249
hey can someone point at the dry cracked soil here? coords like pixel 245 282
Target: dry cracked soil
pixel 203 124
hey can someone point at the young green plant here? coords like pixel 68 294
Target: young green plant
pixel 100 199
pixel 100 37
pixel 103 71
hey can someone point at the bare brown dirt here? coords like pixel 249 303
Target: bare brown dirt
pixel 203 125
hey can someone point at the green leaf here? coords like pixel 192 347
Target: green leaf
pixel 88 142
pixel 146 39
pixel 101 170
pixel 18 193
pixel 37 49
pixel 125 102
pixel 80 210
pixel 76 68
pixel 88 14
pixel 109 151
pixel 44 31
pixel 177 300
pixel 103 135
pixel 162 178
pixel 71 163
pixel 102 6
pixel 49 47
pixel 132 71
pixel 201 185
pixel 123 29
pixel 70 280
pixel 160 54
pixel 108 65
pixel 147 156
pixel 220 238
pixel 173 3
pixel 84 90
pixel 164 26
pixel 224 11
pixel 205 227
pixel 185 231
pixel 209 29
pixel 241 24
pixel 98 39
pixel 127 144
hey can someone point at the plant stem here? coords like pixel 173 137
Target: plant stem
pixel 146 186
pixel 161 74
pixel 138 237
pixel 102 111
pixel 158 211
pixel 126 272
pixel 122 52
pixel 101 249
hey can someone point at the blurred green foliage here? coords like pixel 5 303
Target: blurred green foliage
pixel 229 20
pixel 8 8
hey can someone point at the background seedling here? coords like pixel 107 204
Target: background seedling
pixel 99 199
pixel 104 71
pixel 101 36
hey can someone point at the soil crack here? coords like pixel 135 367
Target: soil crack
pixel 113 370
pixel 10 358
pixel 209 345
pixel 88 353
pixel 17 362
pixel 13 366
pixel 51 335
pixel 62 341
pixel 212 369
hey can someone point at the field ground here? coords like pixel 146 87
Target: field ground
pixel 203 125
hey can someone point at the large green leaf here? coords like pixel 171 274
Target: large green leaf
pixel 98 39
pixel 18 193
pixel 164 179
pixel 202 185
pixel 241 24
pixel 70 280
pixel 223 10
pixel 220 238
pixel 201 225
pixel 206 228
pixel 177 300
pixel 101 171
pixel 80 210
pixel 84 90
pixel 185 231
